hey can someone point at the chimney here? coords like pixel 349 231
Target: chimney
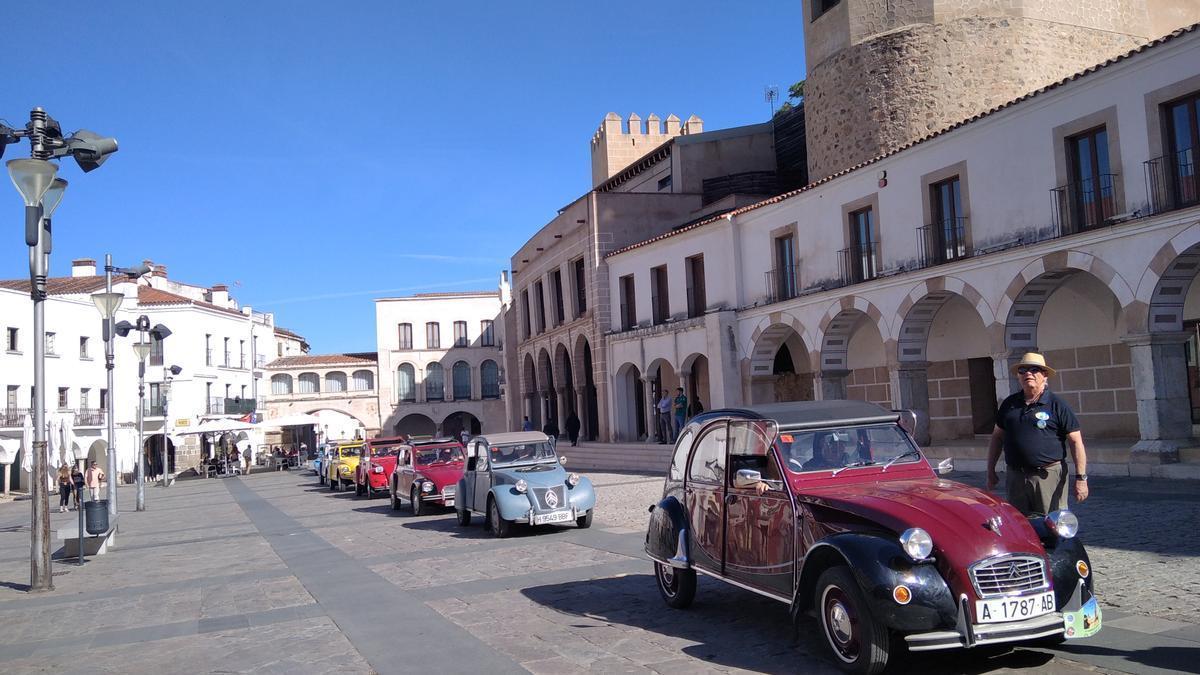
pixel 159 270
pixel 220 295
pixel 83 267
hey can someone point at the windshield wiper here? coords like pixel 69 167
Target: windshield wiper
pixel 853 465
pixel 897 458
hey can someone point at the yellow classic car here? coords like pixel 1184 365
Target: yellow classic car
pixel 343 461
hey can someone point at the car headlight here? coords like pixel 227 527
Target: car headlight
pixel 572 479
pixel 427 487
pixel 345 469
pixel 1063 522
pixel 916 543
pixel 521 486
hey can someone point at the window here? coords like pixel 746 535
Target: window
pixel 1183 135
pixel 405 336
pixel 156 350
pixel 363 380
pixel 860 260
pixel 487 333
pixel 155 401
pixel 525 312
pixel 660 306
pixel 948 230
pixel 208 350
pixel 697 302
pixel 406 383
pixel 278 352
pixel 460 334
pixel 281 385
pixel 243 392
pixel 539 300
pixel 83 347
pixel 335 382
pixel 242 353
pixel 309 383
pixel 560 316
pixel 783 284
pixel 435 382
pixel 433 335
pixel 664 183
pixel 62 397
pixel 254 351
pixel 226 353
pixel 750 448
pixel 12 344
pixel 227 388
pixel 580 287
pixel 104 399
pixel 84 395
pixel 708 458
pixel 819 7
pixel 628 306
pixel 489 379
pixel 1089 196
pixel 50 340
pixel 208 397
pixel 461 374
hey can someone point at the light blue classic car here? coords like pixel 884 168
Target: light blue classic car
pixel 516 478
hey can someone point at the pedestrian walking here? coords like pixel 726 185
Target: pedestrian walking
pixel 1034 428
pixel 246 459
pixel 64 488
pixel 573 428
pixel 551 428
pixel 465 436
pixel 77 485
pixel 680 407
pixel 92 479
pixel 527 425
pixel 663 418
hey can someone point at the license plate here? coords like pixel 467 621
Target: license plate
pixel 556 517
pixel 1014 609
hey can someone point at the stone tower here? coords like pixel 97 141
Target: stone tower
pixel 883 73
pixel 614 149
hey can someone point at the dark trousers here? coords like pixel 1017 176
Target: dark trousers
pixel 64 495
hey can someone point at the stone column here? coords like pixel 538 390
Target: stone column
pixel 911 392
pixel 563 400
pixel 830 384
pixel 649 407
pixel 581 411
pixel 1160 384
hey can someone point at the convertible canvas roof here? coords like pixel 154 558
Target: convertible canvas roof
pixel 515 437
pixel 801 414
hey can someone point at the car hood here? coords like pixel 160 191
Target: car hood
pixel 541 475
pixel 442 474
pixel 956 516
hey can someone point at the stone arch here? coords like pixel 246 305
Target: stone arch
pixel 455 422
pixel 837 327
pixel 98 453
pixel 917 311
pixel 586 380
pixel 770 333
pixel 697 367
pixel 1026 296
pixel 528 375
pixel 560 362
pixel 415 424
pixel 545 368
pixel 629 404
pixel 1164 286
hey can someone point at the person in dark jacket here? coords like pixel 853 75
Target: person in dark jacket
pixel 551 428
pixel 573 428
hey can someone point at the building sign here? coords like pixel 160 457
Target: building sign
pixel 183 422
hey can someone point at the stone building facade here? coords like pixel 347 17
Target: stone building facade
pixel 884 73
pixel 339 389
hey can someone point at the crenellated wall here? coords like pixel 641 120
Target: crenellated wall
pixel 616 146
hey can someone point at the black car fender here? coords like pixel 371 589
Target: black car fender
pixel 879 565
pixel 1065 554
pixel 666 537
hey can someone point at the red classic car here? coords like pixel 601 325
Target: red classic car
pixel 427 472
pixel 831 508
pixel 377 464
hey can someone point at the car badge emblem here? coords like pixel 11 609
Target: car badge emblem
pixel 551 499
pixel 994 524
pixel 1012 571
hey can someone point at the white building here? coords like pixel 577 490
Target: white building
pixel 218 345
pixel 339 389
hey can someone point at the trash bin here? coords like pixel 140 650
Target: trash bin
pixel 96 515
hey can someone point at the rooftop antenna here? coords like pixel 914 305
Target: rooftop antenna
pixel 770 95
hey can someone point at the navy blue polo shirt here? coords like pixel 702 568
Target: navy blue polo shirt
pixel 1035 434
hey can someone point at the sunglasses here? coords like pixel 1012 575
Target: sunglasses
pixel 1029 369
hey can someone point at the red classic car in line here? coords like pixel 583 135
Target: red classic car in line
pixel 427 472
pixel 376 466
pixel 831 508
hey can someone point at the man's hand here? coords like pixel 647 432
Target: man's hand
pixel 1081 490
pixel 761 487
pixel 992 479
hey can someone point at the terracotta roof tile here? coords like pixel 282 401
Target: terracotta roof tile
pixel 152 297
pixel 59 285
pixel 940 132
pixel 354 358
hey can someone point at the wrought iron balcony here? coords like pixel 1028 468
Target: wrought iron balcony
pixel 1173 181
pixel 783 283
pixel 1085 205
pixel 14 417
pixel 942 242
pixel 859 263
pixel 152 408
pixel 90 417
pixel 233 406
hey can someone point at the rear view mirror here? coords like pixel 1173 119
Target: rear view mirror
pixel 747 478
pixel 945 466
pixel 908 421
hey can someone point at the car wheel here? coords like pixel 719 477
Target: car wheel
pixel 395 498
pixel 584 521
pixel 320 479
pixel 464 517
pixel 501 528
pixel 332 483
pixel 858 640
pixel 676 586
pixel 417 507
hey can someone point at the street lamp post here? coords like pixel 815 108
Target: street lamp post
pixel 168 375
pixel 35 179
pixel 108 303
pixel 142 349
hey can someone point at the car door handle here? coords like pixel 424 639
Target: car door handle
pixel 730 499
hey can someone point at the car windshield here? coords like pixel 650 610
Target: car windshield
pixel 446 455
pixel 385 450
pixel 521 453
pixel 835 448
pixel 351 451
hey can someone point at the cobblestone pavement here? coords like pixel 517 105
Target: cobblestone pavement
pixel 271 573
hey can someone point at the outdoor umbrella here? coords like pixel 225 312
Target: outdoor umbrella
pixel 70 448
pixel 218 426
pixel 8 449
pixel 27 443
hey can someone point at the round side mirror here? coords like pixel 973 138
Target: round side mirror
pixel 562 460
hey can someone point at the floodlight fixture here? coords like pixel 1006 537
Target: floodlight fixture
pixel 160 331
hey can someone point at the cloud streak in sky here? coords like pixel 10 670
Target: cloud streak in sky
pixel 377 291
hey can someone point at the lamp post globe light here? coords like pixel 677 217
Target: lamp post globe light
pixel 35 179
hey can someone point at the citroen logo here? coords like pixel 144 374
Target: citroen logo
pixel 551 499
pixel 1012 571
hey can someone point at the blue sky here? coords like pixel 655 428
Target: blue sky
pixel 315 156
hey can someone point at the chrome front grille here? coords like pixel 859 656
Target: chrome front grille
pixel 1008 575
pixel 545 503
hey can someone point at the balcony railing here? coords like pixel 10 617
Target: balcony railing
pixel 1085 205
pixel 1173 181
pixel 152 408
pixel 90 417
pixel 859 263
pixel 783 283
pixel 14 417
pixel 233 406
pixel 942 241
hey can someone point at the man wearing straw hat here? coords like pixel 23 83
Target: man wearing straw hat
pixel 1034 428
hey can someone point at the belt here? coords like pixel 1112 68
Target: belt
pixel 1035 469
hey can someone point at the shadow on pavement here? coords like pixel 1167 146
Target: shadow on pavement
pixel 1183 659
pixel 736 629
pixel 475 530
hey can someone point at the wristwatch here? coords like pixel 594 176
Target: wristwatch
pixel 1081 476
